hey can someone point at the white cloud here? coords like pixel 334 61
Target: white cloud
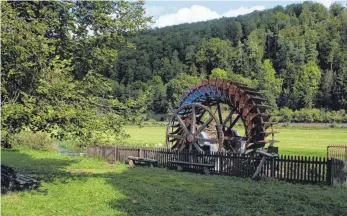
pixel 326 3
pixel 194 13
pixel 242 11
pixel 198 13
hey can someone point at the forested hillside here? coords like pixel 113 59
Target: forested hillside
pixel 296 55
pixel 80 70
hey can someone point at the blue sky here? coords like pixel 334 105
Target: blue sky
pixel 167 13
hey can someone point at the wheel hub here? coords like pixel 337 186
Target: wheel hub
pixel 190 138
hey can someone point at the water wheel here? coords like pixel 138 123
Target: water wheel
pixel 206 117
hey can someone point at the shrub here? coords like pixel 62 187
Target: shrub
pixel 308 115
pixel 335 116
pixel 287 115
pixel 152 121
pixel 333 125
pixel 28 139
pixel 311 115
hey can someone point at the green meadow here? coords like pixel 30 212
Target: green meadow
pixel 307 141
pixel 91 186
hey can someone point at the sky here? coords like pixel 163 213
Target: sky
pixel 166 13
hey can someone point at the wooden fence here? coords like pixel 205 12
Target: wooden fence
pixel 289 168
pixel 337 156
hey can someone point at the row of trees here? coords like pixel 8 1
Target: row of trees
pixel 297 55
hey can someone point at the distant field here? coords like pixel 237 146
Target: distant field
pixel 293 141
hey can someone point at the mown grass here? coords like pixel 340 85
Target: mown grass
pixel 90 186
pixel 309 141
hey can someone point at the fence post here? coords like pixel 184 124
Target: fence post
pixel 329 172
pixel 220 163
pixel 117 153
pixel 273 167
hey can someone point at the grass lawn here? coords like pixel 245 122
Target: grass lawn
pixel 293 141
pixel 89 186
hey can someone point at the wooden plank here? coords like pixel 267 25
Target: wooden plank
pixel 316 169
pixel 310 170
pixel 295 167
pixel 292 169
pixel 285 167
pixel 320 169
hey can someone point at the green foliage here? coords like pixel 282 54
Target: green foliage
pixel 306 84
pixel 159 103
pixel 177 86
pixel 312 115
pixel 56 59
pixel 247 81
pixel 218 73
pixel 287 115
pixel 214 53
pixel 305 43
pixel 270 85
pixel 308 115
pixel 29 140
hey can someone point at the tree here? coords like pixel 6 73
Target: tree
pixel 55 56
pixel 218 73
pixel 234 32
pixel 176 87
pixel 166 70
pixel 325 94
pixel 289 37
pixel 214 53
pixel 255 49
pixel 270 86
pixel 307 83
pixel 159 101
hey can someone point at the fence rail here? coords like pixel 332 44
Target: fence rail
pixel 289 168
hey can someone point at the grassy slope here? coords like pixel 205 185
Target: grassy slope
pixel 296 141
pixel 88 186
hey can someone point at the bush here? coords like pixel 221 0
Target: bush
pixel 308 115
pixel 333 125
pixel 336 116
pixel 287 115
pixel 312 115
pixel 28 139
pixel 152 121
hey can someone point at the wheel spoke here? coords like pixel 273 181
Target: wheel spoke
pixel 182 124
pixel 197 147
pixel 202 127
pixel 219 113
pixel 176 136
pixel 234 122
pixel 182 146
pixel 207 140
pixel 227 119
pixel 192 128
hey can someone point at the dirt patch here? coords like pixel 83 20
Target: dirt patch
pixel 13 197
pixel 82 170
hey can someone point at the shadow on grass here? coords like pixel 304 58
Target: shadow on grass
pixel 44 169
pixel 158 191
